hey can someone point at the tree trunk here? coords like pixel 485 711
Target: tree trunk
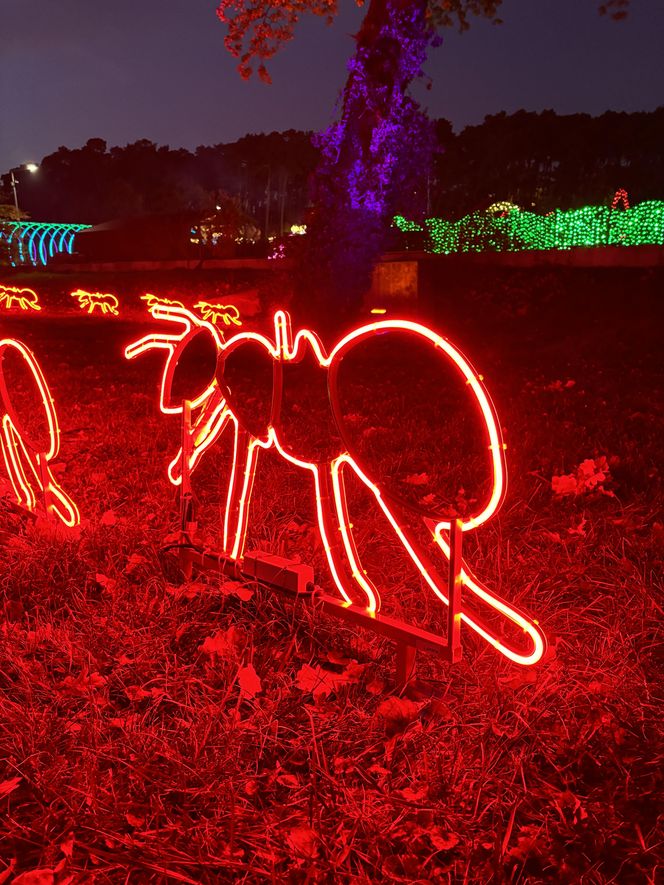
pixel 283 187
pixel 268 195
pixel 375 157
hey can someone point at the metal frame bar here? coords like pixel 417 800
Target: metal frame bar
pixel 295 579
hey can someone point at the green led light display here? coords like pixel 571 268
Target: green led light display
pixel 516 230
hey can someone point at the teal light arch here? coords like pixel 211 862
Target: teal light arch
pixel 36 242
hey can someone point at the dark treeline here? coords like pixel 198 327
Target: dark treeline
pixel 538 161
pixel 93 183
pixel 546 161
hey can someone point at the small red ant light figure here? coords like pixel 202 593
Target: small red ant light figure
pixel 106 302
pixel 213 313
pixel 26 299
pixel 215 410
pixel 151 300
pixel 26 463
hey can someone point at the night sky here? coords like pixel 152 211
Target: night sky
pixel 127 69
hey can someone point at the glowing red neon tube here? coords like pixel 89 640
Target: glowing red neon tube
pixel 26 464
pixel 216 414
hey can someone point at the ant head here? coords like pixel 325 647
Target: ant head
pixel 192 351
pixel 190 369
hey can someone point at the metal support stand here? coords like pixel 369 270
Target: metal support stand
pixel 44 480
pixel 455 584
pixel 296 579
pixel 405 664
pixel 407 638
pixel 188 524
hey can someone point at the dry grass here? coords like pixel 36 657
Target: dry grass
pixel 130 752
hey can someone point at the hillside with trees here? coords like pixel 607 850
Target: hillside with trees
pixel 539 161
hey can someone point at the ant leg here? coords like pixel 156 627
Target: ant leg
pixel 510 613
pixel 57 501
pixel 240 487
pixel 13 453
pixel 440 587
pixel 202 434
pixel 429 573
pixel 337 536
pixel 16 457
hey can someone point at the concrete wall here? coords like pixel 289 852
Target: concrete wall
pixel 398 275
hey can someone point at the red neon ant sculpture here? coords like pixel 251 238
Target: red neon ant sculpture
pixel 26 463
pixel 215 410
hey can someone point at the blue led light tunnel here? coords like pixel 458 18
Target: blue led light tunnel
pixel 35 242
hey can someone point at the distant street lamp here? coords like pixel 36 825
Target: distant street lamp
pixel 31 167
pixel 12 181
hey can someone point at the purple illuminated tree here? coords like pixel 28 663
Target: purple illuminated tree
pixel 372 158
pixel 375 156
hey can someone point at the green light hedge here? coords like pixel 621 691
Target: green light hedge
pixel 563 229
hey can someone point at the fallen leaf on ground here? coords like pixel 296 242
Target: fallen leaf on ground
pixel 136 693
pixel 67 845
pixel 304 842
pixel 84 683
pixel 225 643
pixel 443 842
pixel 105 582
pixel 398 713
pixel 35 877
pixel 564 485
pixel 134 562
pixel 235 588
pixel 417 479
pixel 7 787
pixel 317 681
pixel 590 475
pixel 249 682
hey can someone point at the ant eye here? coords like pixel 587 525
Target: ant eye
pixel 195 367
pixel 246 376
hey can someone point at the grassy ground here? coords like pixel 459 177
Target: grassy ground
pixel 153 731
